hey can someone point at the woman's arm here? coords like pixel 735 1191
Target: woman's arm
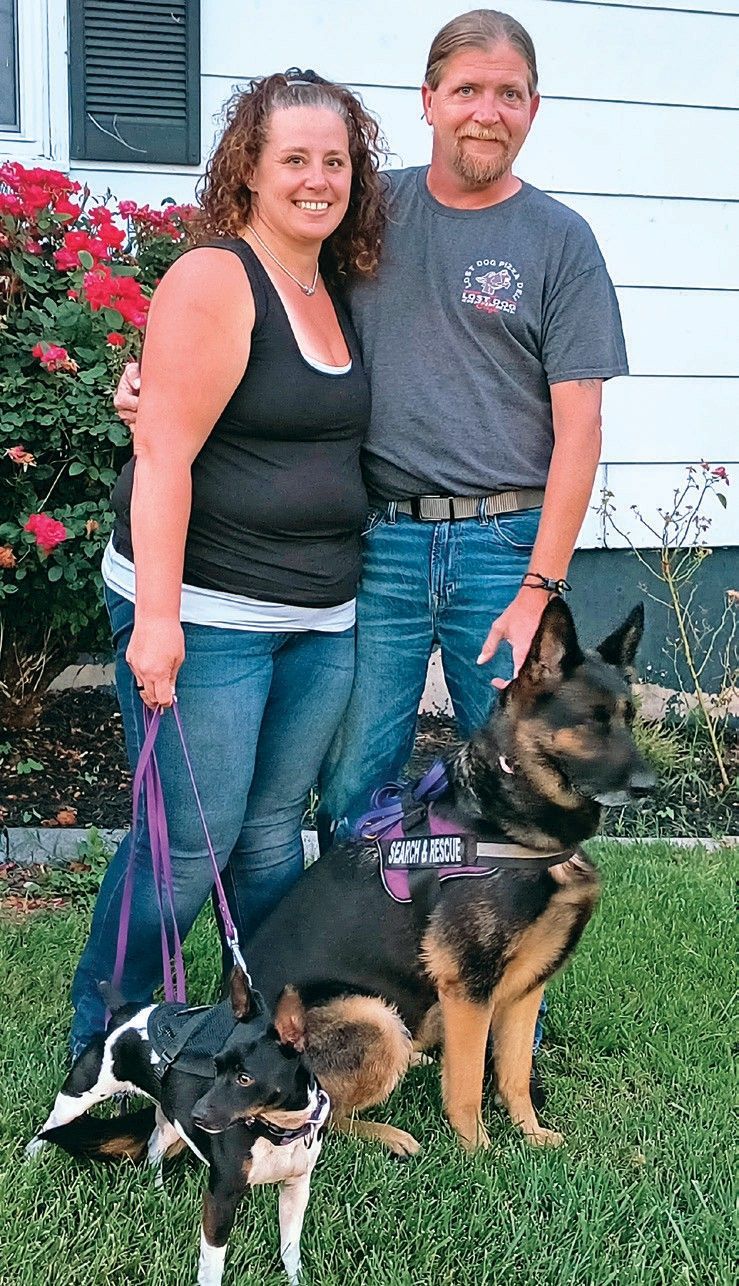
pixel 197 347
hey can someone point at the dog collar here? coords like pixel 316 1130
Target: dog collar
pixel 307 1131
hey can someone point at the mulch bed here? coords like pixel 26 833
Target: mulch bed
pixel 82 770
pixel 72 770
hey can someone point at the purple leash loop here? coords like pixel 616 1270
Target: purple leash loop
pixel 146 778
pixel 387 802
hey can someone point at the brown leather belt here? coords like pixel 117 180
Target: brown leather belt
pixel 448 508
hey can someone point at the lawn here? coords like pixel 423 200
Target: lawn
pixel 638 1072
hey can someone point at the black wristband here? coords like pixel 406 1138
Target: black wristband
pixel 545 582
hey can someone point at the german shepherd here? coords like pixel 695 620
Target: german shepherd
pixel 254 1113
pixel 470 959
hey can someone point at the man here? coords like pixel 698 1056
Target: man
pixel 487 337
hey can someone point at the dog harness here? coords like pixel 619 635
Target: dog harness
pixel 411 839
pixel 190 1035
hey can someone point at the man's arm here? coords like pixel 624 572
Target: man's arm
pixel 576 406
pixel 126 399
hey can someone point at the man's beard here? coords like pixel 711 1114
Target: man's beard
pixel 478 171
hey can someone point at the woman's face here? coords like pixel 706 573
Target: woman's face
pixel 302 180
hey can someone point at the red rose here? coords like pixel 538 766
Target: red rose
pixel 114 340
pixel 53 357
pixel 65 260
pixel 10 204
pixel 48 532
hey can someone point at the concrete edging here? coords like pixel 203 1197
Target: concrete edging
pixel 55 846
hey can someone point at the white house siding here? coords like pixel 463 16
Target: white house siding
pixel 637 131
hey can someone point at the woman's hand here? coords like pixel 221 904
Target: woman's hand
pixel 155 653
pixel 126 398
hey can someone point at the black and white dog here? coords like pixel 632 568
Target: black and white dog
pixel 252 1110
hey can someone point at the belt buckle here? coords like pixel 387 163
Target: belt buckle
pixel 420 506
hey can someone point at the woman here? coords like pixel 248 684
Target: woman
pixel 236 550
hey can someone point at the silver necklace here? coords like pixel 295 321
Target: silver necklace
pixel 307 290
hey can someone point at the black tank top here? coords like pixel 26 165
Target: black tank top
pixel 278 501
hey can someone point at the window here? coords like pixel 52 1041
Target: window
pixel 9 115
pixel 135 81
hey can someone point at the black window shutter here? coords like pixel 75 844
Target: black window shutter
pixel 134 78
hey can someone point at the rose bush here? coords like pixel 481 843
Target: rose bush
pixel 75 283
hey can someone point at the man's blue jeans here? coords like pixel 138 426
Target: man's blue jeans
pixel 423 583
pixel 259 711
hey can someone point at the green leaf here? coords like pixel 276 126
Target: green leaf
pixel 721 498
pixel 76 467
pixel 86 260
pixel 112 317
pixel 55 572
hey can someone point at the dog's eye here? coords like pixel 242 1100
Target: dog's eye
pixel 244 1078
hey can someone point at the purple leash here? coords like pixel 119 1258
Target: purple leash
pixel 146 778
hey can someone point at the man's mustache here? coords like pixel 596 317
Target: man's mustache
pixel 487 136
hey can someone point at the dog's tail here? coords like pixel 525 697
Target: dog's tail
pixel 100 1139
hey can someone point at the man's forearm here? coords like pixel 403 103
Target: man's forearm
pixel 569 488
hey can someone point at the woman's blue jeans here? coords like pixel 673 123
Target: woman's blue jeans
pixel 259 711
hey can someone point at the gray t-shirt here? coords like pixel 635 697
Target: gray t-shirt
pixel 473 315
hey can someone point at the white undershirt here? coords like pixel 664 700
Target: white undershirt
pixel 231 611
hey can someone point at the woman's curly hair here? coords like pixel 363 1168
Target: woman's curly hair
pixel 225 200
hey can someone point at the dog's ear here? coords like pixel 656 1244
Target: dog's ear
pixel 243 1000
pixel 289 1019
pixel 620 647
pixel 554 650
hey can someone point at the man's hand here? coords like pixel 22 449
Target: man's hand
pixel 126 400
pixel 516 625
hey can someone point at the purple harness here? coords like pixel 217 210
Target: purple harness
pixel 410 838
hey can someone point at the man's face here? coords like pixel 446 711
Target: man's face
pixel 480 113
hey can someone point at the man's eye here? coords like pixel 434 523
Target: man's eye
pixel 465 91
pixel 244 1078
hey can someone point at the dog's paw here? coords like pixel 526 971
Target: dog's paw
pixel 541 1138
pixel 33 1148
pixel 401 1144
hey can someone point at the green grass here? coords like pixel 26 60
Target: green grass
pixel 637 1066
